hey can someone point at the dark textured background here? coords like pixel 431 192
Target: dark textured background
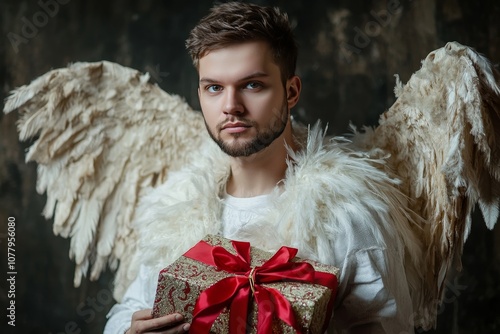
pixel 347 62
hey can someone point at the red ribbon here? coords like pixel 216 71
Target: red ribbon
pixel 234 291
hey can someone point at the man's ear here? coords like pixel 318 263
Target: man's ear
pixel 293 87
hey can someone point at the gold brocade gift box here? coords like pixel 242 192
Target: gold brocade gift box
pixel 224 286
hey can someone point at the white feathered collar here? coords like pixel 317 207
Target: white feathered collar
pixel 327 188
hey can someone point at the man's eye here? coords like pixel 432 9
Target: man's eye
pixel 253 85
pixel 213 88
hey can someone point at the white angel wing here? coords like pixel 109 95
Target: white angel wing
pixel 443 137
pixel 105 135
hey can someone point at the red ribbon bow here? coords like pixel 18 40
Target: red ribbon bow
pixel 234 291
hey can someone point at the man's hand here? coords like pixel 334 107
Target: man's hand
pixel 143 322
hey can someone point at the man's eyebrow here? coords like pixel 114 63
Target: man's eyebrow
pixel 248 77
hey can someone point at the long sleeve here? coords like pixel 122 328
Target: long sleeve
pixel 375 298
pixel 139 296
pixel 373 294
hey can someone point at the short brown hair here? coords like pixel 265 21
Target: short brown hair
pixel 235 22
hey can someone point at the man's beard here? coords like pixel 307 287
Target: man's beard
pixel 263 139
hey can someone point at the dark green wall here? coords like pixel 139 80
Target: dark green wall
pixel 350 51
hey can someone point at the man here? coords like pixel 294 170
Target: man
pixel 271 184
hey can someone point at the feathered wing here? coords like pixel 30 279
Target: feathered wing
pixel 443 138
pixel 104 136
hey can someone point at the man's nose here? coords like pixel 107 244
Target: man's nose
pixel 232 102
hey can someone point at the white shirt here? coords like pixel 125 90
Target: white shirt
pixel 363 303
pixel 239 212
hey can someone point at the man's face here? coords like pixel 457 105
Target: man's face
pixel 242 98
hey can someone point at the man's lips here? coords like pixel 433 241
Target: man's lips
pixel 235 127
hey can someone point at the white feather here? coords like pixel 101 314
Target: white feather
pixel 104 133
pixel 444 145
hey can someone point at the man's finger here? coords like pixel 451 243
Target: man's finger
pixel 168 320
pixel 142 315
pixel 179 329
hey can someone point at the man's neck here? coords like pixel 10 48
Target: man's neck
pixel 261 172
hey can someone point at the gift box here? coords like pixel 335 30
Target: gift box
pixel 224 286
